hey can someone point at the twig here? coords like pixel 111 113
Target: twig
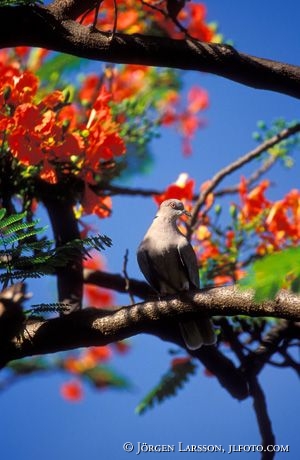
pixel 251 179
pixel 229 169
pixel 115 24
pixel 256 360
pixel 126 277
pixel 120 190
pixel 167 15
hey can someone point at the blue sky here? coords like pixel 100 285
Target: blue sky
pixel 37 423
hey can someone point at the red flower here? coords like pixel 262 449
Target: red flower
pixel 52 100
pixel 197 99
pixel 27 115
pixel 98 297
pixel 94 204
pixel 72 391
pixel 183 188
pixel 99 354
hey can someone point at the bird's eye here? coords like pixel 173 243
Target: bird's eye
pixel 173 204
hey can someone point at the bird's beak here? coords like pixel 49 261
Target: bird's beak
pixel 187 213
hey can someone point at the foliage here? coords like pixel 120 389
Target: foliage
pixel 180 371
pixel 273 272
pixel 91 366
pixel 20 2
pixel 23 256
pixel 284 149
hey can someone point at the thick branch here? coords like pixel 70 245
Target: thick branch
pixel 65 229
pixel 117 283
pixel 98 327
pixel 94 327
pixel 48 28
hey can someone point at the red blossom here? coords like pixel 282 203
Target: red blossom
pixel 25 146
pixel 122 346
pixel 52 100
pixel 98 297
pixel 94 204
pixel 183 188
pixel 253 202
pixel 27 115
pixel 99 354
pixel 197 99
pixel 72 391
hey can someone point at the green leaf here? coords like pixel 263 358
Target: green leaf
pixel 272 272
pixel 2 213
pixel 7 221
pixel 103 376
pixel 169 384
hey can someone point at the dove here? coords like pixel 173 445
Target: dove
pixel 168 262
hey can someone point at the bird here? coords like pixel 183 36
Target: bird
pixel 168 262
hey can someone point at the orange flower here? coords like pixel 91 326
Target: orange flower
pixel 52 100
pixel 122 346
pixel 48 173
pixel 222 279
pixel 95 262
pixel 209 250
pixel 89 89
pixel 183 188
pixel 98 297
pixel 72 391
pixel 99 354
pixel 230 235
pixel 203 233
pixel 94 204
pixel 253 202
pixel 197 99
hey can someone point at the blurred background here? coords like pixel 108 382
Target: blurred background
pixel 36 421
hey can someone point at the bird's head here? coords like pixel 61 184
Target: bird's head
pixel 172 208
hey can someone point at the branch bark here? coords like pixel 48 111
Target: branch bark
pixel 59 206
pixel 94 326
pixel 263 418
pixel 54 28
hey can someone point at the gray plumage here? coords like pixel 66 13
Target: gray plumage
pixel 169 264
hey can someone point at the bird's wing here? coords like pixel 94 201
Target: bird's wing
pixel 147 268
pixel 189 262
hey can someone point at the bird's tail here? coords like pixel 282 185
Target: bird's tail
pixel 198 333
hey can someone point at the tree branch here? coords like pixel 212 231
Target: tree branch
pixel 263 419
pixel 229 169
pixel 65 228
pixel 117 283
pixel 47 27
pixel 111 189
pixel 94 326
pixel 256 360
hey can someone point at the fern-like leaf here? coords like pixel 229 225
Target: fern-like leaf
pixel 20 2
pixel 7 221
pixel 170 383
pixel 24 256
